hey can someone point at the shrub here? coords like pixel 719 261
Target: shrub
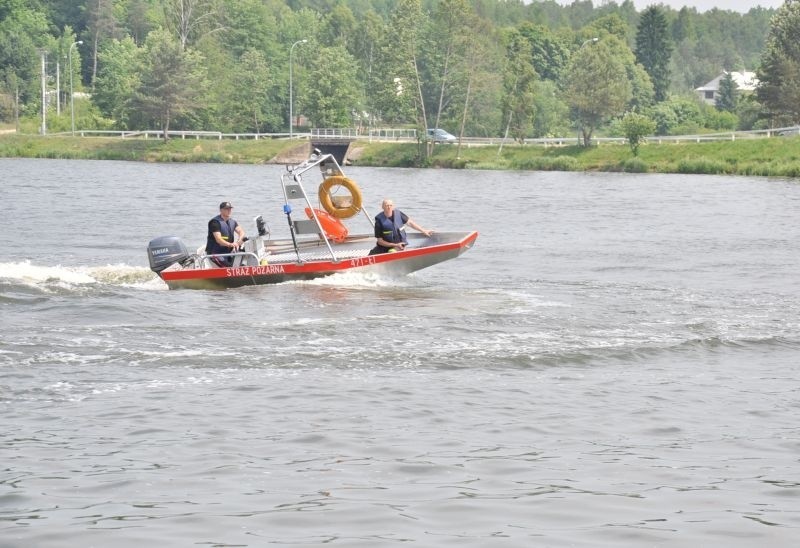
pixel 635 128
pixel 721 119
pixel 676 116
pixel 545 163
pixel 634 165
pixel 702 165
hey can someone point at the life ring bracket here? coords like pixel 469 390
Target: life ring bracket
pixel 341 209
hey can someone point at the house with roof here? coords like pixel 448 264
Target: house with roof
pixel 745 81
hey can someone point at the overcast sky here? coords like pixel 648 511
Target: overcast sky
pixel 701 5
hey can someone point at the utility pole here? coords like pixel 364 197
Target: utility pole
pixel 71 91
pixel 58 87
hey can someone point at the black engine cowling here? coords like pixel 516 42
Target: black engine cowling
pixel 165 251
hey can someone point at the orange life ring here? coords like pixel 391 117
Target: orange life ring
pixel 340 211
pixel 333 227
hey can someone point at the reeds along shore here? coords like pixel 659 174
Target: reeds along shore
pixel 767 157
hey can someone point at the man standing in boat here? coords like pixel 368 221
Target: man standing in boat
pixel 224 235
pixel 389 231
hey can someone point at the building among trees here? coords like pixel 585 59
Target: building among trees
pixel 746 82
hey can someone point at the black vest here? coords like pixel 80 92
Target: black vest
pixel 226 229
pixel 390 229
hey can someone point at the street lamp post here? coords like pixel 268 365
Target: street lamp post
pixel 291 51
pixel 593 40
pixel 72 93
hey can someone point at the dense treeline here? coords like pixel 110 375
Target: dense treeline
pixel 475 67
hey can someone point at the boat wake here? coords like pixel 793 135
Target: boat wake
pixel 358 280
pixel 58 277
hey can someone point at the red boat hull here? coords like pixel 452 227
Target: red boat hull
pixel 399 263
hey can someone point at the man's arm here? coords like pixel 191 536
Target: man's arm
pixel 220 240
pixel 415 226
pixel 239 232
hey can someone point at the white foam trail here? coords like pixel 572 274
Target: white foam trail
pixel 126 275
pixel 357 279
pixel 119 274
pixel 27 273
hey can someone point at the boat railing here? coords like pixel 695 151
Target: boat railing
pixel 205 260
pixel 293 190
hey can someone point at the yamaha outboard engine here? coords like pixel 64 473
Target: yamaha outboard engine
pixel 166 251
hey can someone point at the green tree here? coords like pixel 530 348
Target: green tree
pixel 367 44
pixel 172 82
pixel 636 127
pixel 549 52
pixel 750 114
pixel 117 80
pixel 642 92
pixel 779 73
pixel 664 118
pixel 609 25
pixel 137 19
pixel 552 114
pixel 683 26
pixel 728 98
pixel 720 119
pixel 519 78
pixel 476 75
pixel 248 25
pixel 596 87
pixel 102 25
pixel 340 28
pixel 248 105
pixel 676 115
pixel 334 97
pixel 61 13
pixel 654 49
pixel 397 88
pixel 190 20
pixel 23 31
pixel 448 40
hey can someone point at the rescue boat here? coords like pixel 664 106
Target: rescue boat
pixel 319 245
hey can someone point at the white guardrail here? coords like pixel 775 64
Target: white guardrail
pixel 410 135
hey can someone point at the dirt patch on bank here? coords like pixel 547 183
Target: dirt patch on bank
pixel 354 154
pixel 292 156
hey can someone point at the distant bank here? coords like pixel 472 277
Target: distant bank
pixel 767 157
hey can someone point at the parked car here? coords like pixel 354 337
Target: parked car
pixel 441 136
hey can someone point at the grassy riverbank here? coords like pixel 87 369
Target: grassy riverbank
pixel 777 157
pixel 144 150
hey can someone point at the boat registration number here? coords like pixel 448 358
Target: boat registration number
pixel 362 261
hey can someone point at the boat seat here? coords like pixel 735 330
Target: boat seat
pixel 305 227
pixel 291 257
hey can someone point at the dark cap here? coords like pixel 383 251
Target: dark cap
pixel 225 205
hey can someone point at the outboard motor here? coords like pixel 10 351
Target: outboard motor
pixel 166 251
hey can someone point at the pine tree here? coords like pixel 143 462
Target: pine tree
pixel 654 49
pixel 728 97
pixel 172 81
pixel 779 74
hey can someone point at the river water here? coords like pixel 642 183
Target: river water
pixel 615 363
